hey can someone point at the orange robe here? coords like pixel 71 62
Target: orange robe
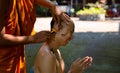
pixel 19 18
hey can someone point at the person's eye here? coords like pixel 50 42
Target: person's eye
pixel 63 34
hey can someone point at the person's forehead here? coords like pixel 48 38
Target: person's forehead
pixel 66 30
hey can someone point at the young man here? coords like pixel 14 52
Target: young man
pixel 49 59
pixel 17 18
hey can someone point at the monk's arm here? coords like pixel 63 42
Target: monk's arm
pixel 45 3
pixel 11 40
pixel 55 10
pixel 6 39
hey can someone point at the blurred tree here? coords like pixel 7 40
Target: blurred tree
pixel 42 11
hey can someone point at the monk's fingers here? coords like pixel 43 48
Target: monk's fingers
pixel 65 17
pixel 54 17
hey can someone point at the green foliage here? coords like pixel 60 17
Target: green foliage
pixel 90 11
pixel 93 9
pixel 41 11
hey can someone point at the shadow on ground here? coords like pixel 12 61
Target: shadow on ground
pixel 103 47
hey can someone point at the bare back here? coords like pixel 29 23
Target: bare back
pixel 48 61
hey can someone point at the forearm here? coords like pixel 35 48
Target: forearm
pixel 45 3
pixel 11 40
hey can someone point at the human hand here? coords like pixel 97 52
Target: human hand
pixel 80 64
pixel 41 36
pixel 58 14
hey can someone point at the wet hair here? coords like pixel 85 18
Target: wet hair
pixel 62 25
pixel 52 24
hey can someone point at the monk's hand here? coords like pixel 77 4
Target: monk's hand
pixel 58 14
pixel 80 64
pixel 41 36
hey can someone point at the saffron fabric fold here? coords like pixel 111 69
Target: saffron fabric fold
pixel 18 16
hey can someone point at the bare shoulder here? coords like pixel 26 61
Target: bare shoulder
pixel 45 51
pixel 44 60
pixel 44 54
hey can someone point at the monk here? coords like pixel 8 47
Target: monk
pixel 49 59
pixel 17 18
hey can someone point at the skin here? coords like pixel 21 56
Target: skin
pixel 8 40
pixel 11 40
pixel 48 61
pixel 42 36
